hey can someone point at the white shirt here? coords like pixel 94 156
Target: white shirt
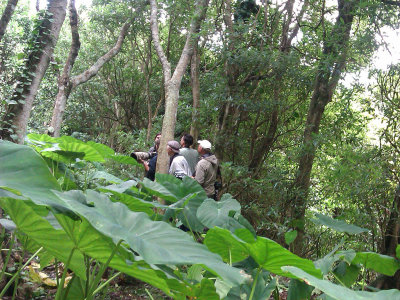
pixel 179 167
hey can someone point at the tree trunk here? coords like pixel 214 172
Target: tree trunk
pixel 6 17
pixel 17 116
pixel 67 84
pixel 64 84
pixel 172 83
pixel 328 74
pixel 391 241
pixel 194 70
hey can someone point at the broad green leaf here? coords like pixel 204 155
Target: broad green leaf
pixel 398 251
pixel 22 169
pixel 104 150
pixel 43 233
pixel 133 203
pixel 156 242
pixel 339 292
pixel 337 225
pixel 90 153
pixel 120 188
pixel 347 274
pixel 290 236
pixel 187 208
pixel 106 176
pixel 205 290
pixel 218 213
pixel 380 263
pixel 172 189
pixel 123 159
pixel 222 242
pixel 298 290
pixel 272 256
pixel 195 273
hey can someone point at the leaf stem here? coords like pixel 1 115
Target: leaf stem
pixel 17 273
pixel 61 285
pixel 253 288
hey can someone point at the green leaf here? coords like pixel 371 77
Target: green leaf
pixel 156 242
pixel 217 213
pixel 23 170
pixel 106 176
pixel 337 225
pixel 339 292
pixel 172 189
pixel 347 274
pixel 298 290
pixel 222 242
pixel 272 256
pixel 380 263
pixel 205 290
pixel 133 203
pixel 43 233
pixel 398 251
pixel 123 159
pixel 290 236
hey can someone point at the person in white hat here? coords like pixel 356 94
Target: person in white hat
pixel 178 166
pixel 206 168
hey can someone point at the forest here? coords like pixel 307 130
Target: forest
pixel 295 97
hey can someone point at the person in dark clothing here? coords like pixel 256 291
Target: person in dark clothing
pixel 150 166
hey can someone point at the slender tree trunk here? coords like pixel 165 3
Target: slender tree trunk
pixel 172 83
pixel 67 84
pixel 17 117
pixel 64 83
pixel 6 17
pixel 391 241
pixel 194 70
pixel 328 74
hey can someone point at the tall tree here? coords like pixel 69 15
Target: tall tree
pixel 172 82
pixel 65 83
pixel 42 47
pixel 6 17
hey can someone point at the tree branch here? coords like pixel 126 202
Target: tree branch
pixel 94 69
pixel 6 17
pixel 166 66
pixel 191 38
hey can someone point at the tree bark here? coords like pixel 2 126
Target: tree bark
pixel 64 83
pixel 172 83
pixel 328 75
pixel 67 84
pixel 194 71
pixel 6 17
pixel 17 116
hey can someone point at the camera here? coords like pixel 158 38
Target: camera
pixel 143 155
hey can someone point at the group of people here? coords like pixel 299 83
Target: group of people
pixel 199 164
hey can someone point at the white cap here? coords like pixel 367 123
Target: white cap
pixel 205 144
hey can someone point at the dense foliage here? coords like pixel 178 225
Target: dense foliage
pixel 304 151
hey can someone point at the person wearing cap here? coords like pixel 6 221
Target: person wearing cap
pixel 178 166
pixel 191 155
pixel 206 169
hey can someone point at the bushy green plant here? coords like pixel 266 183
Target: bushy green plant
pixel 95 225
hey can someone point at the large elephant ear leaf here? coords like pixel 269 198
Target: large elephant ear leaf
pixel 337 225
pixel 272 256
pixel 43 233
pixel 340 292
pixel 156 242
pixel 383 264
pixel 172 189
pixel 22 169
pixel 218 213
